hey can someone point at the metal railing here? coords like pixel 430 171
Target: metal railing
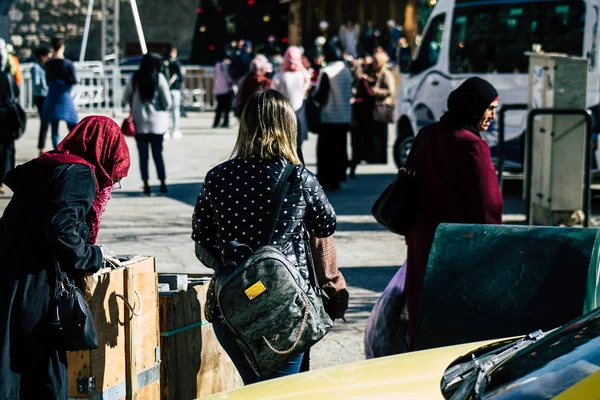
pixel 587 193
pixel 95 90
pixel 501 137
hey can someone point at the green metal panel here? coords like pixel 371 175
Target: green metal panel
pixel 491 281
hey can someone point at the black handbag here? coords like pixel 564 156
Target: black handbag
pixel 72 320
pixel 16 119
pixel 313 114
pixel 396 207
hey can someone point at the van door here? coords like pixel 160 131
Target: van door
pixel 431 92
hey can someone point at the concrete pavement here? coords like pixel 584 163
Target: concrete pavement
pixel 160 225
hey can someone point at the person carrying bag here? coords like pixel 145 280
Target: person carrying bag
pixel 251 224
pixel 274 313
pixel 72 320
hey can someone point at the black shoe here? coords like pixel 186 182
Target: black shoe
pixel 226 126
pixel 163 188
pixel 147 190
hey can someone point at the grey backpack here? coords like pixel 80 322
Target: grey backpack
pixel 273 312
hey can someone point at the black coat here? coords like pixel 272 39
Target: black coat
pixel 233 206
pixel 56 200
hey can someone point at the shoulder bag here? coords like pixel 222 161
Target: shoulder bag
pixel 273 312
pixel 396 207
pixel 313 113
pixel 72 320
pixel 128 127
pixel 16 117
pixel 383 112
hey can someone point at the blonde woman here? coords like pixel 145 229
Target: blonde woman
pixel 234 202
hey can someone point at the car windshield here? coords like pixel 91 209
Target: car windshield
pixel 549 367
pixel 493 37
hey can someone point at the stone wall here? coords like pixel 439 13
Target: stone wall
pixel 36 21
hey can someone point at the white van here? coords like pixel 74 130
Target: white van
pixel 488 38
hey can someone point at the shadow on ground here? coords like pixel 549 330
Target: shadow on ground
pixel 183 192
pixel 374 279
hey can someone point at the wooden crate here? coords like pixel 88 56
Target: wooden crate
pixel 113 370
pixel 193 362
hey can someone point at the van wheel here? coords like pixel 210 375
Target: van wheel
pixel 402 148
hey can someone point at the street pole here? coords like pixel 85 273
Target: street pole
pixel 86 31
pixel 117 87
pixel 138 25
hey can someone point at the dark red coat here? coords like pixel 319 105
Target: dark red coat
pixel 458 184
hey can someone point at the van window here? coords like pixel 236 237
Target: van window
pixel 430 47
pixel 492 38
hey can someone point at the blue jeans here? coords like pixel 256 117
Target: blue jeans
pixel 55 137
pixel 176 109
pixel 234 352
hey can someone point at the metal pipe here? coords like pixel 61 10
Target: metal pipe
pixel 138 25
pixel 501 137
pixel 86 31
pixel 587 193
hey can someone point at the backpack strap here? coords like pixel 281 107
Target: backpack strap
pixel 278 198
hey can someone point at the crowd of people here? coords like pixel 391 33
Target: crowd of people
pixel 155 102
pixel 346 77
pixel 262 198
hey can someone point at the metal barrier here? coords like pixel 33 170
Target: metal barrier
pixel 587 209
pixel 95 89
pixel 501 137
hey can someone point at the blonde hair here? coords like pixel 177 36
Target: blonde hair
pixel 382 59
pixel 268 128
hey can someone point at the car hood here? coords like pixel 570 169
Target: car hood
pixel 415 375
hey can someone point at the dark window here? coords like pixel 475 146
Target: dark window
pixel 430 47
pixel 492 38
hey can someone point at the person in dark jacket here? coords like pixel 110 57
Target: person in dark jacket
pixel 7 139
pixel 39 91
pixel 233 204
pixel 458 183
pixel 59 106
pixel 240 63
pixel 56 211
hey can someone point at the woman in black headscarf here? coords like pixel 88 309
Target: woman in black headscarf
pixel 457 180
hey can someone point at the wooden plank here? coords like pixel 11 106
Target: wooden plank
pixel 130 370
pixel 107 363
pixel 150 392
pixel 146 325
pixel 127 345
pixel 193 362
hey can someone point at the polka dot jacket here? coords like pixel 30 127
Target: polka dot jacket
pixel 235 203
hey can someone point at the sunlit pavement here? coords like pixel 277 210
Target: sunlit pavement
pixel 160 225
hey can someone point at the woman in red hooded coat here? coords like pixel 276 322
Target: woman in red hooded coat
pixel 56 209
pixel 457 180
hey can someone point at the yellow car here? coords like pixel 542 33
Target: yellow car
pixel 563 364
